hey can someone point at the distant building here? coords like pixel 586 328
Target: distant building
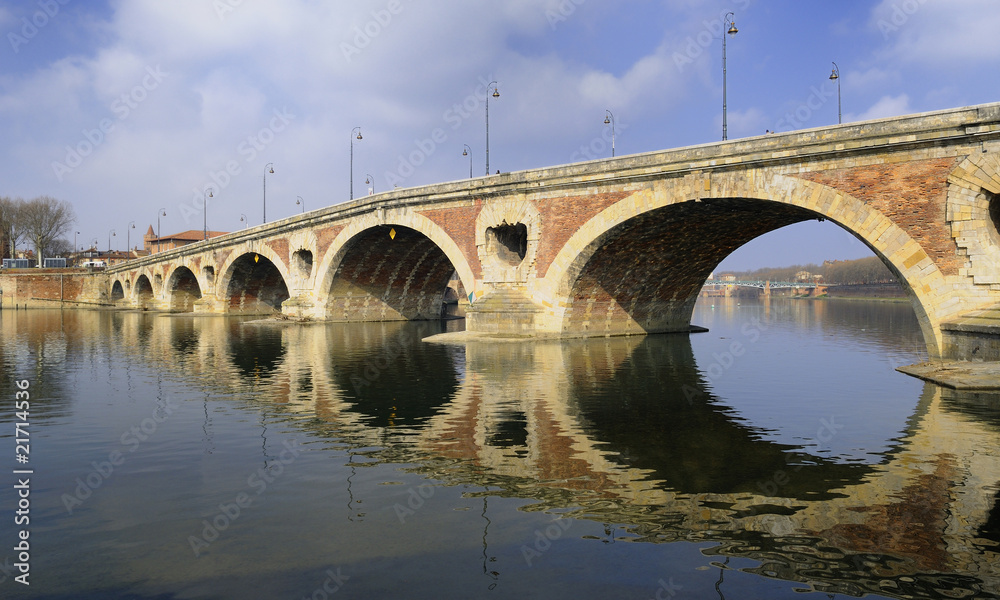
pixel 152 244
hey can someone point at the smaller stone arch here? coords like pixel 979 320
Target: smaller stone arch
pixel 973 212
pixel 117 292
pixel 143 292
pixel 182 290
pixel 254 283
pixel 507 233
pixel 328 266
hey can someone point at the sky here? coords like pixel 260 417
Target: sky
pixel 129 108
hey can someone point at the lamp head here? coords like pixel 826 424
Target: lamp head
pixel 359 135
pixel 732 28
pixel 270 170
pixel 210 194
pixel 607 120
pixel 465 152
pixel 496 92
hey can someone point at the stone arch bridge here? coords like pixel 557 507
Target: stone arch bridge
pixel 622 246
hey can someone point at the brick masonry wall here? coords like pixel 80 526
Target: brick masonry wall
pixel 560 219
pixel 460 224
pixel 912 194
pixel 50 288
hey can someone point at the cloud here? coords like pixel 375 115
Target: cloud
pixel 921 31
pixel 887 106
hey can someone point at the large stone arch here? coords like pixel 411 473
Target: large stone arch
pixel 270 302
pixel 343 243
pixel 182 289
pixel 695 197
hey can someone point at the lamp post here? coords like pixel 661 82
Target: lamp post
pixel 162 212
pixel 204 210
pixel 731 31
pixel 358 129
pixel 468 152
pixel 610 119
pixel 110 235
pixel 835 75
pixel 75 233
pixel 243 219
pixel 299 200
pixel 496 94
pixel 268 168
pixel 128 238
pixel 370 180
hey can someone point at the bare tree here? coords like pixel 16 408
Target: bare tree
pixel 60 247
pixel 45 220
pixel 11 222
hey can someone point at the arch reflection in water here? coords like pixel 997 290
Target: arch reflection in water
pixel 599 431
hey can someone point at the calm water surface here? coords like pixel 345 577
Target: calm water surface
pixel 778 455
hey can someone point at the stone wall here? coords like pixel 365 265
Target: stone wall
pixel 52 288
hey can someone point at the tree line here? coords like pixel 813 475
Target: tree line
pixel 868 270
pixel 42 221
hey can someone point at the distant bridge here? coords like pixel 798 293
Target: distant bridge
pixel 621 246
pixel 774 285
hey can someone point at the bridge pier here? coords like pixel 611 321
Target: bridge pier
pixel 301 306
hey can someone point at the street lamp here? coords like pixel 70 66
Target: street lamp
pixel 370 180
pixel 468 152
pixel 268 168
pixel 160 213
pixel 496 94
pixel 75 233
pixel 299 200
pixel 835 75
pixel 610 119
pixel 358 129
pixel 731 31
pixel 128 238
pixel 204 209
pixel 110 235
pixel 243 218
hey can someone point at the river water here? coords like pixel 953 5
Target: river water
pixel 777 455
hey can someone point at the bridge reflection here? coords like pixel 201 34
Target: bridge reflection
pixel 570 426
